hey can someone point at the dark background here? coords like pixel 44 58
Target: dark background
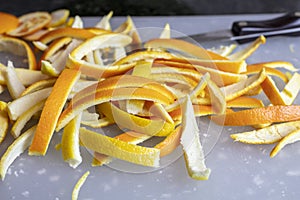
pixel 151 7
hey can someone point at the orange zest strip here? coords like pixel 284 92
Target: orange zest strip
pixel 19 47
pixel 199 110
pixel 248 50
pixel 54 47
pixel 185 47
pixel 242 87
pixel 130 137
pixel 221 78
pixel 143 55
pixel 170 143
pixel 123 81
pixel 158 69
pixel 98 71
pixel 157 127
pixel 276 64
pixel 4 121
pixel 102 96
pixel 38 85
pixel 51 111
pixel 223 65
pixel 66 32
pixel 174 78
pixel 245 102
pixel 255 68
pixel 270 114
pixel 272 92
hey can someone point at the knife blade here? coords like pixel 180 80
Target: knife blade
pixel 245 31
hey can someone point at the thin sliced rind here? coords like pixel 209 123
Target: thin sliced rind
pixel 190 141
pixel 79 184
pixel 119 149
pixel 15 149
pixel 292 137
pixel 269 114
pixel 157 127
pixel 4 121
pixel 267 135
pixel 51 111
pixel 70 142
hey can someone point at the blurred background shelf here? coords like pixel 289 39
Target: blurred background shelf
pixel 152 7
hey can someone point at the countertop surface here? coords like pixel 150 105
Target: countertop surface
pixel 239 171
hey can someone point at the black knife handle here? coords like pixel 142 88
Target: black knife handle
pixel 238 27
pixel 281 31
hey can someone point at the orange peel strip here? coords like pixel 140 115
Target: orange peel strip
pixel 287 95
pixel 292 137
pixel 237 89
pixel 51 111
pixel 59 17
pixel 157 127
pixel 104 22
pixel 157 69
pixel 191 144
pixel 233 66
pixel 272 92
pixel 99 42
pixel 245 102
pixel 38 86
pixel 18 146
pixel 130 137
pixel 103 122
pixel 21 105
pixel 221 78
pixel 218 101
pixel 54 47
pixel 170 143
pixel 103 96
pixel 246 52
pixel 125 81
pixel 70 142
pixel 252 69
pixel 270 114
pixel 143 55
pixel 119 149
pixel 174 78
pixel 18 47
pixel 24 118
pixel 98 71
pixel 26 76
pixel 267 135
pixel 128 27
pixel 291 89
pixel 199 110
pixel 166 32
pixel 78 185
pixel 4 121
pixel 13 83
pixel 276 64
pixel 240 88
pixel 184 47
pixel 66 32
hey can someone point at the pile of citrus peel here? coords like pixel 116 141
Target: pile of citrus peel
pixel 85 79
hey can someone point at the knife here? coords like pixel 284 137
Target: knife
pixel 245 31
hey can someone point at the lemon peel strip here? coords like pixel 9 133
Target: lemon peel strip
pixel 79 184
